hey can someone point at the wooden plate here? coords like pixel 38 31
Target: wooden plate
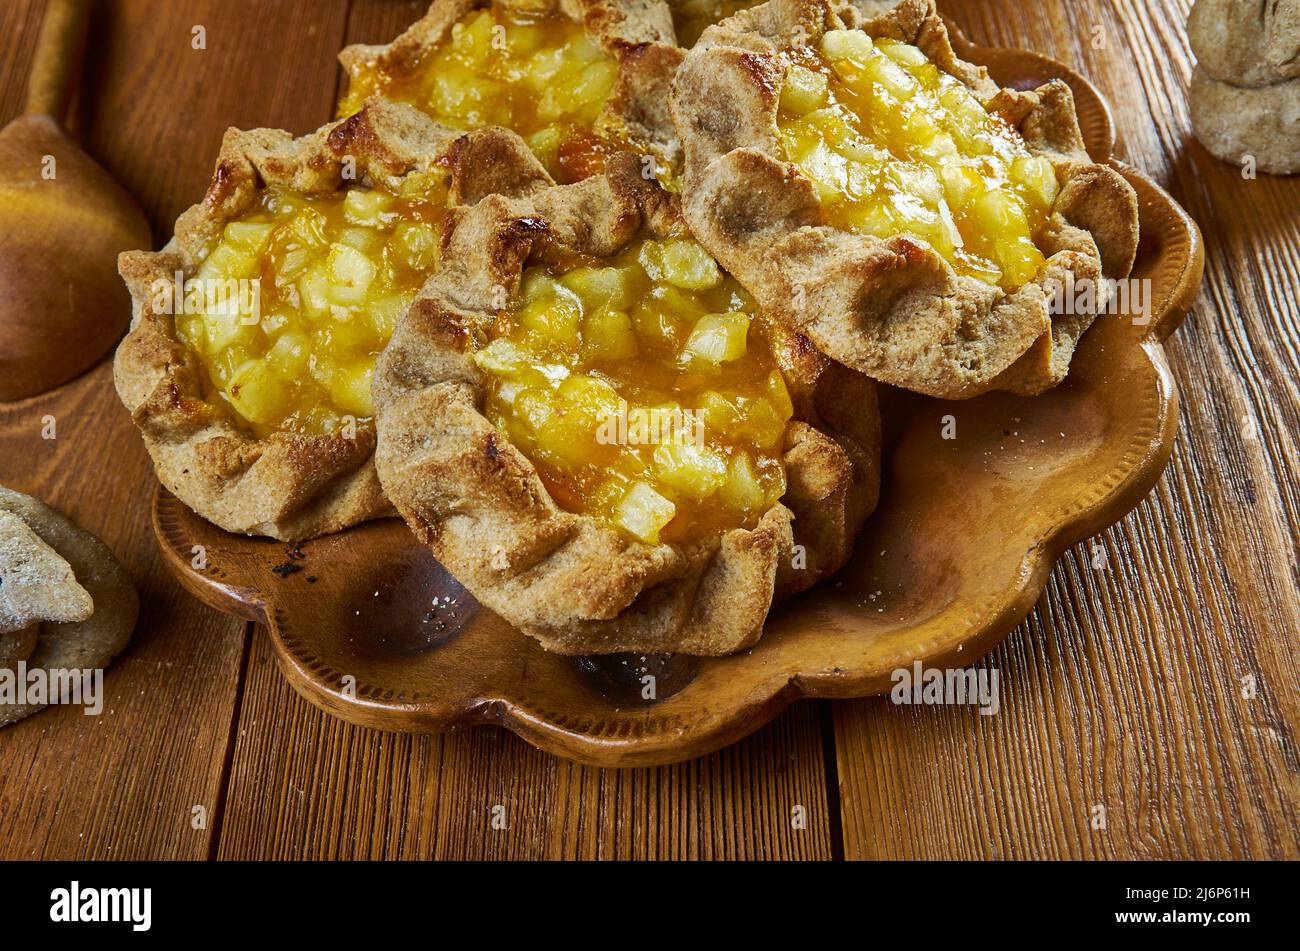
pixel 370 628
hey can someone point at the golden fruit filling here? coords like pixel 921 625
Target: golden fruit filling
pixel 644 390
pixel 293 303
pixel 693 17
pixel 543 77
pixel 896 146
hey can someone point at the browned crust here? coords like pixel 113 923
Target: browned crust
pixel 892 309
pixel 287 486
pixel 578 586
pixel 637 33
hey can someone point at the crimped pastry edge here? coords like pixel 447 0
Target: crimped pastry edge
pixel 892 309
pixel 637 33
pixel 287 486
pixel 576 585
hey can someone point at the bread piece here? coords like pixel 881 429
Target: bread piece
pixel 1246 42
pixel 47 643
pixel 1234 122
pixel 35 582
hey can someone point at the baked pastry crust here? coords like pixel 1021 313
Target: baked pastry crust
pixel 78 607
pixel 1234 122
pixel 636 33
pixel 289 486
pixel 572 582
pixel 1246 42
pixel 893 309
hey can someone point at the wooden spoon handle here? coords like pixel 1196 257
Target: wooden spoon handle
pixel 58 54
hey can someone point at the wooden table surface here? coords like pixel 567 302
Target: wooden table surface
pixel 1129 686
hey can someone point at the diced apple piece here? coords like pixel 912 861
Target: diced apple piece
pixel 250 236
pixel 554 321
pixel 502 357
pixel 228 261
pixel 383 313
pixel 258 394
pixel 904 54
pixel 593 399
pixel 308 229
pixel 350 388
pixel 224 327
pixel 426 186
pixel 1037 179
pixel 644 512
pixel 535 405
pixel 350 274
pixel 718 338
pixel 608 335
pixel 688 265
pixel 961 185
pixel 312 290
pixel 599 287
pixel 290 355
pixel 897 81
pixel 779 394
pixel 1020 259
pixel 694 471
pixel 546 143
pixel 803 90
pixel 417 244
pixel 846 44
pixel 721 415
pixel 763 424
pixel 1000 213
pixel 472 38
pixel 742 491
pixel 537 285
pixel 291 266
pixel 594 83
pixel 916 179
pixel 363 239
pixel 192 332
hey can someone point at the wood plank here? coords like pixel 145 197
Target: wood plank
pixel 306 786
pixel 124 784
pixel 1124 688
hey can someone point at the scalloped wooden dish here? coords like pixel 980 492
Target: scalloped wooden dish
pixel 370 628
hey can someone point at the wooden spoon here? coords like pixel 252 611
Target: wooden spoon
pixel 63 221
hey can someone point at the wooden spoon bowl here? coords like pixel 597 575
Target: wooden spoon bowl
pixel 63 221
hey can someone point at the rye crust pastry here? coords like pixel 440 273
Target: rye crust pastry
pixel 286 485
pixel 571 581
pixel 638 34
pixel 892 308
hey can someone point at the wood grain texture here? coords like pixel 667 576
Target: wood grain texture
pixel 306 785
pixel 124 784
pixel 1124 688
